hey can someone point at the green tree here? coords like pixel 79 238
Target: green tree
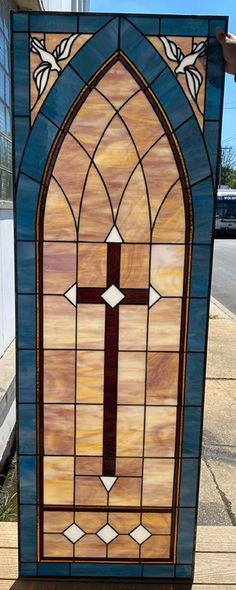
pixel 228 167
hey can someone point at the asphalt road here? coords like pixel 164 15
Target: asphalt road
pixel 224 273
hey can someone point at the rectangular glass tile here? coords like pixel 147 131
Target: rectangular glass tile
pixel 26 267
pixel 201 259
pixel 197 324
pixel 53 23
pixel 21 73
pixel 27 517
pixel 26 375
pixel 186 535
pixel 192 431
pixel 27 474
pixel 26 321
pixel 27 428
pixel 184 25
pixel 20 21
pixel 26 205
pixel 91 23
pixel 194 385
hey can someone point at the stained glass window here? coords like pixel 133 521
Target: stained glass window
pixel 117 123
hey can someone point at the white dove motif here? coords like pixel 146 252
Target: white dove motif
pixel 49 60
pixel 186 63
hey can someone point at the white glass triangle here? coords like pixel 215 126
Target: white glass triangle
pixel 108 481
pixel 140 534
pixel 114 236
pixel 154 296
pixel 113 296
pixel 71 294
pixel 107 534
pixel 74 533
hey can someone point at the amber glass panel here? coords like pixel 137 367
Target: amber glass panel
pixel 58 429
pixel 91 522
pixel 126 492
pixel 59 223
pixel 88 465
pixel 158 482
pixel 91 121
pixel 89 491
pixel 164 325
pixel 59 476
pixel 56 522
pixel 167 267
pixel 59 376
pixel 160 171
pixel 157 524
pixel 130 431
pixel 123 547
pixel 171 218
pixel 96 217
pixel 89 430
pixel 156 545
pixel 133 327
pixel 133 220
pixel 117 85
pixel 142 122
pixel 59 267
pixel 59 322
pixel 131 377
pixel 134 269
pixel 124 522
pixel 160 432
pixel 90 546
pixel 90 376
pixel 92 265
pixel 116 158
pixel 91 324
pixel 127 465
pixel 70 170
pixel 57 546
pixel 162 378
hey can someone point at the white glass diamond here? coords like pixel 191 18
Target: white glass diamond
pixel 71 294
pixel 140 534
pixel 107 534
pixel 108 481
pixel 113 296
pixel 154 296
pixel 114 236
pixel 74 533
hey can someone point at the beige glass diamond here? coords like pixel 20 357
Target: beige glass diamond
pixel 107 534
pixel 113 296
pixel 74 533
pixel 140 534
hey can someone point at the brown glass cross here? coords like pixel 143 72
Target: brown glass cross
pixel 130 297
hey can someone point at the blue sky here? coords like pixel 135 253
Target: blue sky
pixel 213 7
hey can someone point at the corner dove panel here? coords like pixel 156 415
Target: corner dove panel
pixel 117 123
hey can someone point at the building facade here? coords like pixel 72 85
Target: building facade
pixel 7 291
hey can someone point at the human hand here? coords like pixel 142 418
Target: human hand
pixel 228 44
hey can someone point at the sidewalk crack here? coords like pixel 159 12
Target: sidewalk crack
pixel 225 500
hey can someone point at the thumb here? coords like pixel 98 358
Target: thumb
pixel 220 35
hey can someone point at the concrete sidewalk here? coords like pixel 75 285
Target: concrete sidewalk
pixel 217 504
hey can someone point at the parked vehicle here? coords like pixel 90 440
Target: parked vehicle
pixel 225 221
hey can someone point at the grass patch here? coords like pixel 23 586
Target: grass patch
pixel 8 495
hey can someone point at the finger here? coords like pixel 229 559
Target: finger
pixel 231 36
pixel 229 68
pixel 220 35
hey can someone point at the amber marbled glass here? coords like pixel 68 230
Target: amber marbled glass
pixel 113 264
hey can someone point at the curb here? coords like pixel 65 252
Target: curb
pixel 227 312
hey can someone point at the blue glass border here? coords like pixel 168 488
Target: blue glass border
pixel 202 192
